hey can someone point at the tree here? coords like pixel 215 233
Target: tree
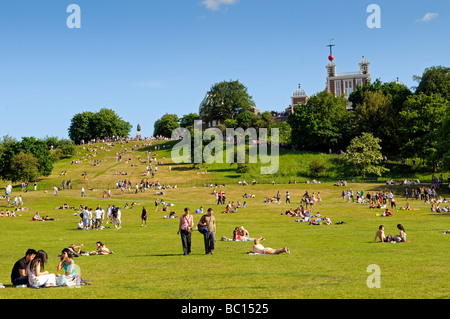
pixel 376 115
pixel 90 125
pixel 376 106
pixel 420 123
pixel 9 147
pixel 363 155
pixel 443 140
pixel 284 131
pixel 245 120
pixel 108 124
pixel 165 125
pixel 41 151
pixel 434 80
pixel 24 167
pixel 226 100
pixel 188 120
pixel 322 123
pixel 82 127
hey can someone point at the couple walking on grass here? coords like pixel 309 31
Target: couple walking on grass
pixel 207 226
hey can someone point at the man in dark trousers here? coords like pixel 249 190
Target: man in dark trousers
pixel 210 235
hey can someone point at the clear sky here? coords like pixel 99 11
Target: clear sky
pixel 145 58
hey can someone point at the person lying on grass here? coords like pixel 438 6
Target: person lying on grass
pixel 260 249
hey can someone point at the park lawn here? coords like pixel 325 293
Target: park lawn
pixel 325 261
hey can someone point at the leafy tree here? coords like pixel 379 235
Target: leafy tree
pixel 434 80
pixel 376 106
pixel 420 122
pixel 24 167
pixel 90 125
pixel 189 119
pixel 229 123
pixel 67 147
pixel 41 151
pixel 82 127
pixel 396 91
pixel 443 140
pixel 284 131
pixel 363 154
pixel 322 123
pixel 166 124
pixel 376 115
pixel 245 120
pixel 226 100
pixel 108 124
pixel 9 146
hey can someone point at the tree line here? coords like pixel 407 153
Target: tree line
pixel 31 158
pixel 404 123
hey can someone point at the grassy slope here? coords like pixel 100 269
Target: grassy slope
pixel 325 261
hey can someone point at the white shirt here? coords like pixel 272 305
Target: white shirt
pixel 98 214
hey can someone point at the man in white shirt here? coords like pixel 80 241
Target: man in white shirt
pixel 98 217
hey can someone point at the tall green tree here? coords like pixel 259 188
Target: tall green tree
pixel 188 120
pixel 41 151
pixel 434 80
pixel 10 147
pixel 322 123
pixel 443 140
pixel 363 155
pixel 24 167
pixel 82 127
pixel 90 125
pixel 226 100
pixel 377 116
pixel 420 122
pixel 166 124
pixel 108 123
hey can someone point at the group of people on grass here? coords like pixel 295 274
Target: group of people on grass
pixel 94 219
pixel 30 269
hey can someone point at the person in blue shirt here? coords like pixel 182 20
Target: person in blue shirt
pixel 67 263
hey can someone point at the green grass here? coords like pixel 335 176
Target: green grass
pixel 325 261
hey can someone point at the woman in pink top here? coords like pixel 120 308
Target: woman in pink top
pixel 260 249
pixel 185 228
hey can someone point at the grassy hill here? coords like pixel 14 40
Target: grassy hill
pixel 325 261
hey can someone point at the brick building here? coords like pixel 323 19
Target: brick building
pixel 343 84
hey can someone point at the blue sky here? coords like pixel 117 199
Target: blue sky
pixel 145 58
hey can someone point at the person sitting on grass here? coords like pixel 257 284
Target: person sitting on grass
pixel 386 213
pixel 380 234
pixel 238 237
pixel 101 250
pixel 38 278
pixel 400 238
pixel 260 249
pixel 66 262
